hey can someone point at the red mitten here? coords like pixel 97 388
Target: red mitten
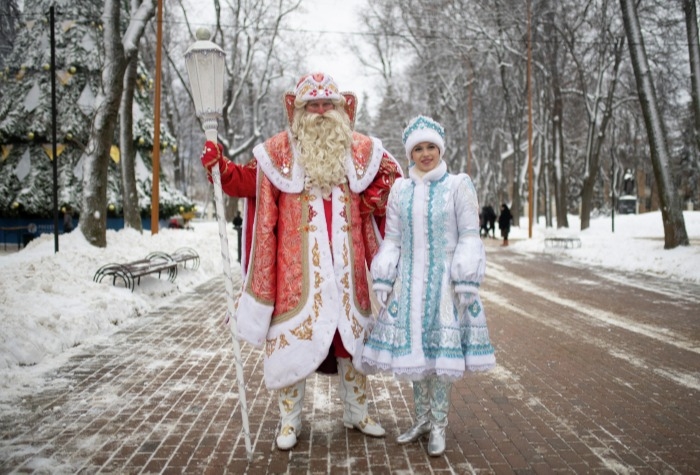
pixel 212 153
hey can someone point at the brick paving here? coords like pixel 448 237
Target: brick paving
pixel 598 373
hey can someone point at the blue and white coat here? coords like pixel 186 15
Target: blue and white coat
pixel 431 251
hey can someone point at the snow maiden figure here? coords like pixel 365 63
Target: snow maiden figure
pixel 431 327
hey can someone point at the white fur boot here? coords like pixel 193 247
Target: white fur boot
pixel 291 401
pixel 353 392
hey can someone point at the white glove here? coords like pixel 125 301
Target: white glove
pixel 382 296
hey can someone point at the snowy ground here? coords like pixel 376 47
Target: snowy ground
pixel 51 306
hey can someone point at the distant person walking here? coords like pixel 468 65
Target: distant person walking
pixel 483 224
pixel 489 220
pixel 67 220
pixel 237 220
pixel 504 220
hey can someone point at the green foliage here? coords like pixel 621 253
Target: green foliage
pixel 26 114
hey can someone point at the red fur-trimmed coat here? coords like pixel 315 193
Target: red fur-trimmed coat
pixel 306 258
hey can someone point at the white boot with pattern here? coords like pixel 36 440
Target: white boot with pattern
pixel 353 392
pixel 291 401
pixel 421 399
pixel 439 407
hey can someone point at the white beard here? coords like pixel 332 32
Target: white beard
pixel 324 143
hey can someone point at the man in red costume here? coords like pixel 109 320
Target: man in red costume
pixel 316 197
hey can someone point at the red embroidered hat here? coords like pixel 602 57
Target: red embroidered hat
pixel 317 86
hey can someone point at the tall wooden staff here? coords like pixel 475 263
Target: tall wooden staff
pixel 205 68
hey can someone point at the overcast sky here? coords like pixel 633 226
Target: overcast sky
pixel 336 22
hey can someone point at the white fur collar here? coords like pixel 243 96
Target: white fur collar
pixel 289 177
pixel 433 175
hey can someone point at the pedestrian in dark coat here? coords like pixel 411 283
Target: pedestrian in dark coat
pixel 483 223
pixel 504 220
pixel 67 220
pixel 490 218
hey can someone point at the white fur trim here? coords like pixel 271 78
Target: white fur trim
pixel 424 135
pixel 433 175
pixel 294 183
pixel 255 321
pixel 359 183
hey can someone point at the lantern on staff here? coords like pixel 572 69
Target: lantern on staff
pixel 205 66
pixel 205 62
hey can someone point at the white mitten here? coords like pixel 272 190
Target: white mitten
pixel 382 296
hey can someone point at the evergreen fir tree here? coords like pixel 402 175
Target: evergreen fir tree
pixel 9 13
pixel 26 176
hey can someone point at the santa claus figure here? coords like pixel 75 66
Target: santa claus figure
pixel 313 220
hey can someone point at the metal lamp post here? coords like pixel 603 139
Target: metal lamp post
pixel 205 62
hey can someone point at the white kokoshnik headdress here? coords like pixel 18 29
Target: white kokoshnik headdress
pixel 423 129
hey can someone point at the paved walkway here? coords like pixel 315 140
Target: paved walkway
pixel 596 375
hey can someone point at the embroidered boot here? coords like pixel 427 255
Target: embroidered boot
pixel 439 407
pixel 353 392
pixel 291 400
pixel 421 399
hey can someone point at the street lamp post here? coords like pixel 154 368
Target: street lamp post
pixel 205 63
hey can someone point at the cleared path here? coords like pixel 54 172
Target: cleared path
pixel 599 372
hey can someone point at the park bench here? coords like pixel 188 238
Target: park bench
pixel 562 242
pixel 130 273
pixel 183 256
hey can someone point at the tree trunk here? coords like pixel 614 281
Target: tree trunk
pixel 597 138
pixel 130 200
pixel 597 130
pixel 674 225
pixel 691 26
pixel 561 193
pixel 514 124
pixel 172 118
pixel 561 198
pixel 93 219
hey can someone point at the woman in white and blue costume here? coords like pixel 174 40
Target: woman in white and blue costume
pixel 431 328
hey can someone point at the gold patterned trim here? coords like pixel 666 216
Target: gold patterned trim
pixel 305 330
pixel 251 258
pixel 270 344
pixel 357 328
pixel 349 248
